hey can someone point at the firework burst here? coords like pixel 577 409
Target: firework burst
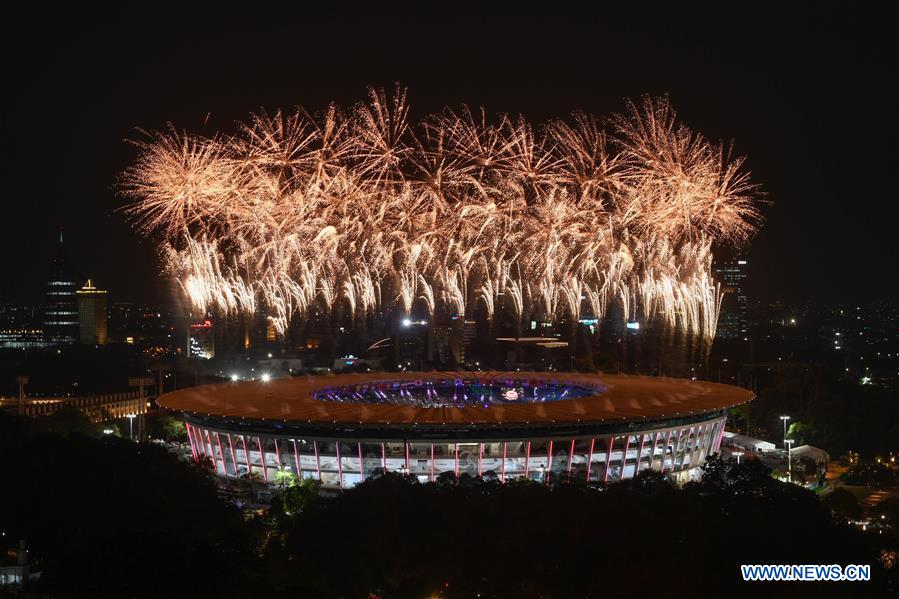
pixel 459 213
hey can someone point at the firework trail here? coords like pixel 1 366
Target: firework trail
pixel 456 214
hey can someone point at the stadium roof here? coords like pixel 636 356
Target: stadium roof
pixel 624 398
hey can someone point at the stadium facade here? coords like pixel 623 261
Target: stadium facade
pixel 343 429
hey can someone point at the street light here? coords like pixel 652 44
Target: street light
pixel 785 418
pixel 141 382
pixel 130 418
pixel 789 458
pixel 739 455
pixel 22 380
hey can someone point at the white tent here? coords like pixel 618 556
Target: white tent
pixel 807 451
pixel 746 443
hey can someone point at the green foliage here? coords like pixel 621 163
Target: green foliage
pixel 300 495
pixel 167 428
pixel 284 478
pixel 801 433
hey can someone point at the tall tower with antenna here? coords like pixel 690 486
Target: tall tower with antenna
pixel 61 307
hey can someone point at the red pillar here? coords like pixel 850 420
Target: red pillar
pixel 549 462
pixel 503 475
pixel 296 459
pixel 339 466
pixel 277 452
pixel 627 445
pixel 590 457
pixel 198 435
pixel 717 446
pixel 318 466
pixel 211 450
pixel 665 452
pixel 655 444
pixel 639 454
pixel 262 455
pixel 190 439
pixel 233 455
pixel 527 458
pixel 605 478
pixel 246 453
pixel 218 440
pixel 570 459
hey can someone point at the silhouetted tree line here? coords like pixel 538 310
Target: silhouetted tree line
pixel 109 518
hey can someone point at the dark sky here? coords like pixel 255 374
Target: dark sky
pixel 805 90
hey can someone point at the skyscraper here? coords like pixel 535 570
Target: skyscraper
pixel 733 321
pixel 91 314
pixel 61 310
pixel 200 340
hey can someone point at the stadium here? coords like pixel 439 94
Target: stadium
pixel 342 429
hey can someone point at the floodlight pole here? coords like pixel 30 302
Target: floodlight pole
pixel 22 380
pixel 141 382
pixel 789 443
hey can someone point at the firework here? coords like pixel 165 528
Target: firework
pixel 457 214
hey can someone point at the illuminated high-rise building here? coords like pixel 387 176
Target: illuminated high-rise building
pixel 733 320
pixel 61 310
pixel 200 340
pixel 92 316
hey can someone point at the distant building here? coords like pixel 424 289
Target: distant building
pixel 22 339
pixel 449 341
pixel 15 566
pixel 61 310
pixel 200 340
pixel 21 327
pixel 92 315
pixel 141 324
pixel 733 321
pixel 467 333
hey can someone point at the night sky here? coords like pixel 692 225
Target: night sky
pixel 805 90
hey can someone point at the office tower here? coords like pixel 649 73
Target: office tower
pixel 61 310
pixel 92 315
pixel 733 320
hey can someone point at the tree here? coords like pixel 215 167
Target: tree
pixel 300 495
pixel 801 433
pixel 67 420
pixel 284 478
pixel 872 475
pixel 98 512
pixel 843 504
pixel 168 428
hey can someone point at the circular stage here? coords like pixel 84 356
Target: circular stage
pixel 341 429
